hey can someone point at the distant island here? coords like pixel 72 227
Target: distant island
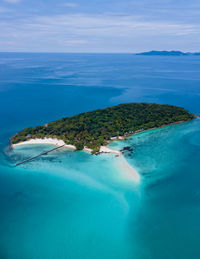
pixel 94 129
pixel 168 53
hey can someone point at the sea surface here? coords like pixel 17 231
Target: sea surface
pixel 77 206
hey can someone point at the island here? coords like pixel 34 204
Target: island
pixel 168 53
pixel 93 130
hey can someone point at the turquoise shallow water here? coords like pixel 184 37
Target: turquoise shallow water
pixel 67 207
pixel 74 205
pixel 168 160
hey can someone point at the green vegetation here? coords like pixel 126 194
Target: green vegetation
pixel 95 128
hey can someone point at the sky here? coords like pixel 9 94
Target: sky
pixel 99 26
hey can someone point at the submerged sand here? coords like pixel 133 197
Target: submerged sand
pixel 128 171
pixel 124 166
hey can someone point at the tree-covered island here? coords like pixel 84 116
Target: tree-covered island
pixel 96 128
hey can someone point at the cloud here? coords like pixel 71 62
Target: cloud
pixel 12 1
pixel 70 4
pixel 4 10
pixel 112 25
pixel 73 42
pixel 95 33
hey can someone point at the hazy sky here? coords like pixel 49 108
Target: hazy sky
pixel 99 25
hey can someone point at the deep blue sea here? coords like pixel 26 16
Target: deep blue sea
pixel 77 206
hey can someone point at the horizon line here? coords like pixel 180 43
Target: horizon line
pixel 71 52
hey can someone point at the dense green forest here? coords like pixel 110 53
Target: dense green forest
pixel 95 128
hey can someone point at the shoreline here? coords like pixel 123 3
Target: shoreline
pixel 60 143
pixel 162 126
pixel 103 149
pixel 44 141
pixel 121 162
pixel 124 137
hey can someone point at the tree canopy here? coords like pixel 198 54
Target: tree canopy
pixel 95 128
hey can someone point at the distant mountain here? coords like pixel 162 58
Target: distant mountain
pixel 168 53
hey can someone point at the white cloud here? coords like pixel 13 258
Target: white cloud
pixel 12 1
pixel 97 33
pixel 70 4
pixel 4 10
pixel 75 42
pixel 112 25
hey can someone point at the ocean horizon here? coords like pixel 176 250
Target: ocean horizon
pixel 75 205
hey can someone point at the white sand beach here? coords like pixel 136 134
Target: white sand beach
pixel 87 149
pixel 104 149
pixel 48 141
pixel 59 142
pixel 128 171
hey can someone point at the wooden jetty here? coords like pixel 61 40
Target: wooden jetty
pixel 41 154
